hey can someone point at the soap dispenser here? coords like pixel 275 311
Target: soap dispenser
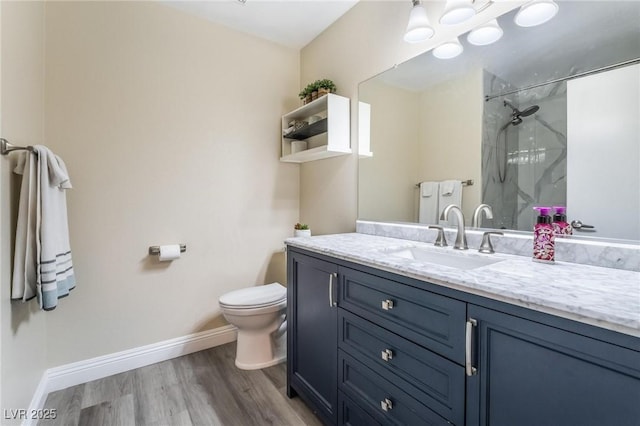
pixel 560 225
pixel 543 237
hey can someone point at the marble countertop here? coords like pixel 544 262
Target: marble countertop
pixel 604 297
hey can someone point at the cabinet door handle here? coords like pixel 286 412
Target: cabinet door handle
pixel 386 405
pixel 469 369
pixel 387 354
pixel 332 301
pixel 387 304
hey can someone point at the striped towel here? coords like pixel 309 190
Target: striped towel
pixel 49 234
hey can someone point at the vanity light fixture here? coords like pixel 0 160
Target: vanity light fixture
pixel 419 28
pixel 485 34
pixel 457 12
pixel 536 12
pixel 448 50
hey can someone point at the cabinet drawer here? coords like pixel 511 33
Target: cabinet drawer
pixel 352 414
pixel 433 321
pixel 380 397
pixel 432 379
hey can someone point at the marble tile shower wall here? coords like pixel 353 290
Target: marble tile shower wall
pixel 501 196
pixel 541 159
pixel 597 253
pixel 523 165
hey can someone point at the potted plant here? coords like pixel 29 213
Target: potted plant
pixel 301 230
pixel 325 86
pixel 314 90
pixel 305 95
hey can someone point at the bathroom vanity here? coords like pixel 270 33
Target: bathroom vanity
pixel 378 335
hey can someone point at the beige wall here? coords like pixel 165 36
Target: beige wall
pixel 23 345
pixel 387 180
pixel 450 147
pixel 364 42
pixel 169 125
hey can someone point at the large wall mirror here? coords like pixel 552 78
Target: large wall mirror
pixel 547 115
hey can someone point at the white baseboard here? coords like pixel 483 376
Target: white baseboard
pixel 76 373
pixel 38 400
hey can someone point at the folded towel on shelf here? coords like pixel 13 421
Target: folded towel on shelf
pixel 43 198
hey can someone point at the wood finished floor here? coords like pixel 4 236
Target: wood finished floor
pixel 203 388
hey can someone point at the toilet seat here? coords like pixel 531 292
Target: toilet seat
pixel 254 297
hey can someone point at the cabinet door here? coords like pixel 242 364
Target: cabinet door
pixel 533 374
pixel 312 327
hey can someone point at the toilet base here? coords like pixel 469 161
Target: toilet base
pixel 274 361
pixel 258 350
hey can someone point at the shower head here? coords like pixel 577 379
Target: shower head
pixel 516 114
pixel 528 111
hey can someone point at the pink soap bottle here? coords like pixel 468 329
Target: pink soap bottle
pixel 560 225
pixel 543 237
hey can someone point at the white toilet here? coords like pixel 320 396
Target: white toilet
pixel 259 313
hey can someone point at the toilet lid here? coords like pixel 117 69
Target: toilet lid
pixel 262 295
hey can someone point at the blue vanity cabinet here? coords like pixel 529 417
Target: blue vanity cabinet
pixel 530 373
pixel 401 351
pixel 312 330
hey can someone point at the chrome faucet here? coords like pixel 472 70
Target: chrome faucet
pixel 486 246
pixel 477 214
pixel 461 238
pixel 441 240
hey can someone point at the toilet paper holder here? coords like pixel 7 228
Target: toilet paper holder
pixel 155 250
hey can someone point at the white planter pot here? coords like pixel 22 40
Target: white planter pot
pixel 302 232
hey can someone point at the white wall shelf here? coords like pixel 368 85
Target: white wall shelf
pixel 327 137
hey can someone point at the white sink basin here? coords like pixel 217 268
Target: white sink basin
pixel 445 257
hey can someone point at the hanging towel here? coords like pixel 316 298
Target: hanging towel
pixel 53 266
pixel 428 206
pixel 450 193
pixel 23 284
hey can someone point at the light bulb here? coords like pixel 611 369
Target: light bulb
pixel 536 12
pixel 418 28
pixel 448 50
pixel 485 34
pixel 457 12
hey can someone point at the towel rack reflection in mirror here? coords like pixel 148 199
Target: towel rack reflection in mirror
pixel 6 147
pixel 467 182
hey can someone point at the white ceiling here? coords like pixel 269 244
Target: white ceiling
pixel 292 23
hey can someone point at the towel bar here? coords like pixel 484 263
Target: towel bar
pixel 155 250
pixel 6 147
pixel 467 182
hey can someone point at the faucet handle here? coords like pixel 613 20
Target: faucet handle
pixel 441 241
pixel 486 246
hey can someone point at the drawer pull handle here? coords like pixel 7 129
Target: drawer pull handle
pixel 386 405
pixel 332 301
pixel 387 304
pixel 470 370
pixel 387 354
